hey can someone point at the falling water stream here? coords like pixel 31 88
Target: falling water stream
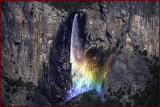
pixel 84 73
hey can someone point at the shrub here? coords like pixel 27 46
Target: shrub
pixel 30 97
pixel 7 88
pixel 109 89
pixel 90 98
pixel 123 92
pixel 139 90
pixel 121 46
pixel 16 72
pixel 119 96
pixel 7 96
pixel 70 6
pixel 136 47
pixel 150 96
pixel 140 51
pixel 103 82
pixel 119 52
pixel 111 94
pixel 29 85
pixel 105 95
pixel 18 83
pixel 14 90
pixel 114 49
pixel 156 58
pixel 145 53
pixel 147 59
pixel 2 39
pixel 129 91
pixel 130 98
pixel 117 43
pixel 154 70
pixel 112 102
pixel 9 81
pixel 128 104
pixel 12 55
pixel 114 93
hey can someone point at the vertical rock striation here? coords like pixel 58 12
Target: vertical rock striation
pixel 124 31
pixel 120 37
pixel 29 30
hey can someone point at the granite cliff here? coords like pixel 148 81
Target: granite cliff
pixel 123 37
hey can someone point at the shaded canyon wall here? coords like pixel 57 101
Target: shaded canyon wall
pixel 35 47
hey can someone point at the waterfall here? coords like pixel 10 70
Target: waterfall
pixel 76 45
pixel 84 73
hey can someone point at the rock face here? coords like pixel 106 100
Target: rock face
pixel 124 30
pixel 35 47
pixel 127 21
pixel 29 32
pixel 27 38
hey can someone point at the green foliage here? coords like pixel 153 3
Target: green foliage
pixel 129 91
pixel 12 55
pixel 7 88
pixel 119 96
pixel 145 53
pixel 112 102
pixel 14 90
pixel 123 93
pixel 139 90
pixel 150 96
pixel 114 93
pixel 109 89
pixel 105 95
pixel 17 83
pixel 128 104
pixel 29 85
pixel 114 49
pixel 1 67
pixel 16 72
pixel 156 58
pixel 7 96
pixel 140 51
pixel 110 93
pixel 136 47
pixel 70 6
pixel 147 59
pixel 31 13
pixel 90 98
pixel 13 62
pixel 119 91
pixel 103 82
pixel 30 97
pixel 130 98
pixel 121 46
pixel 9 81
pixel 117 43
pixel 2 39
pixel 154 70
pixel 119 52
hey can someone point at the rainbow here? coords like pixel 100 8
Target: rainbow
pixel 86 74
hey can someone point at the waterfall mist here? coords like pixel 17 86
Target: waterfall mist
pixel 85 74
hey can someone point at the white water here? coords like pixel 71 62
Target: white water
pixel 76 56
pixel 82 74
pixel 76 46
